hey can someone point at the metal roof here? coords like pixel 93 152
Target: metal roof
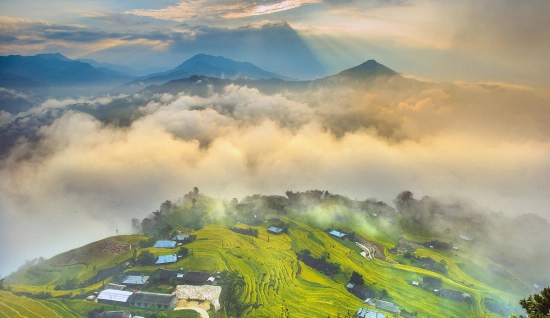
pixel 135 280
pixel 180 237
pixel 366 313
pixel 165 244
pixel 114 295
pixel 275 229
pixel 165 259
pixel 387 306
pixel 337 234
pixel 154 298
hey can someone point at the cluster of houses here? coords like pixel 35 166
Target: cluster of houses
pixel 177 240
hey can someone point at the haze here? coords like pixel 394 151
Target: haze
pixel 474 129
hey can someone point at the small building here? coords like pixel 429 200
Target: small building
pixel 165 274
pixel 387 306
pixel 415 283
pixel 135 281
pixel 184 238
pixel 115 314
pixel 455 248
pixel 165 244
pixel 145 300
pixel 114 297
pixel 339 235
pixel 167 259
pixel 211 279
pixel 275 230
pixel 367 313
pixel 195 277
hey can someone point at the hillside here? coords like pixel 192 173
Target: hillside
pixel 275 274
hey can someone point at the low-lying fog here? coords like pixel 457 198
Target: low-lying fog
pixel 83 180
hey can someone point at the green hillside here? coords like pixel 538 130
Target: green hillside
pixel 276 279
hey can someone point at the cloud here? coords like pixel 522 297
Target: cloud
pixel 212 9
pixel 484 142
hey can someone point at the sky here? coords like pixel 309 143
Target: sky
pixel 479 132
pixel 489 40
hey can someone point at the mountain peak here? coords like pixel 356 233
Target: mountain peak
pixel 368 68
pixel 57 56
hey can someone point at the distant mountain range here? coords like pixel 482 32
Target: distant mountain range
pixel 56 75
pixel 207 65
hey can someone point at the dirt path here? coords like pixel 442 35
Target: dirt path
pixel 202 312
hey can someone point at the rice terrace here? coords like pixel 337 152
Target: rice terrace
pixel 309 254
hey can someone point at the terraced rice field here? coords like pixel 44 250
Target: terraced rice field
pixel 276 279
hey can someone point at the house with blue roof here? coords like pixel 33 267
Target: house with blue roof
pixel 165 244
pixel 167 259
pixel 337 234
pixel 275 230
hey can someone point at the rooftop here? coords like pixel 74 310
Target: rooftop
pixel 274 229
pixel 180 237
pixel 337 234
pixel 163 299
pixel 366 313
pixel 165 259
pixel 387 306
pixel 114 295
pixel 135 280
pixel 165 244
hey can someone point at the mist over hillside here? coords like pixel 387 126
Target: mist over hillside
pixel 80 167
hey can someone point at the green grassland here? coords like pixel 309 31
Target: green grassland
pixel 275 278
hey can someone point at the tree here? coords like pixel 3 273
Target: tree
pixel 233 287
pixel 1 284
pixel 357 279
pixel 537 305
pixel 385 295
pixel 183 251
pixel 146 258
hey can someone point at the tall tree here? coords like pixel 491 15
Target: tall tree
pixel 233 287
pixel 537 305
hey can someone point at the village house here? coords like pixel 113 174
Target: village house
pixel 114 297
pixel 275 230
pixel 337 234
pixel 166 259
pixel 165 244
pixel 135 281
pixel 387 306
pixel 367 313
pixel 146 300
